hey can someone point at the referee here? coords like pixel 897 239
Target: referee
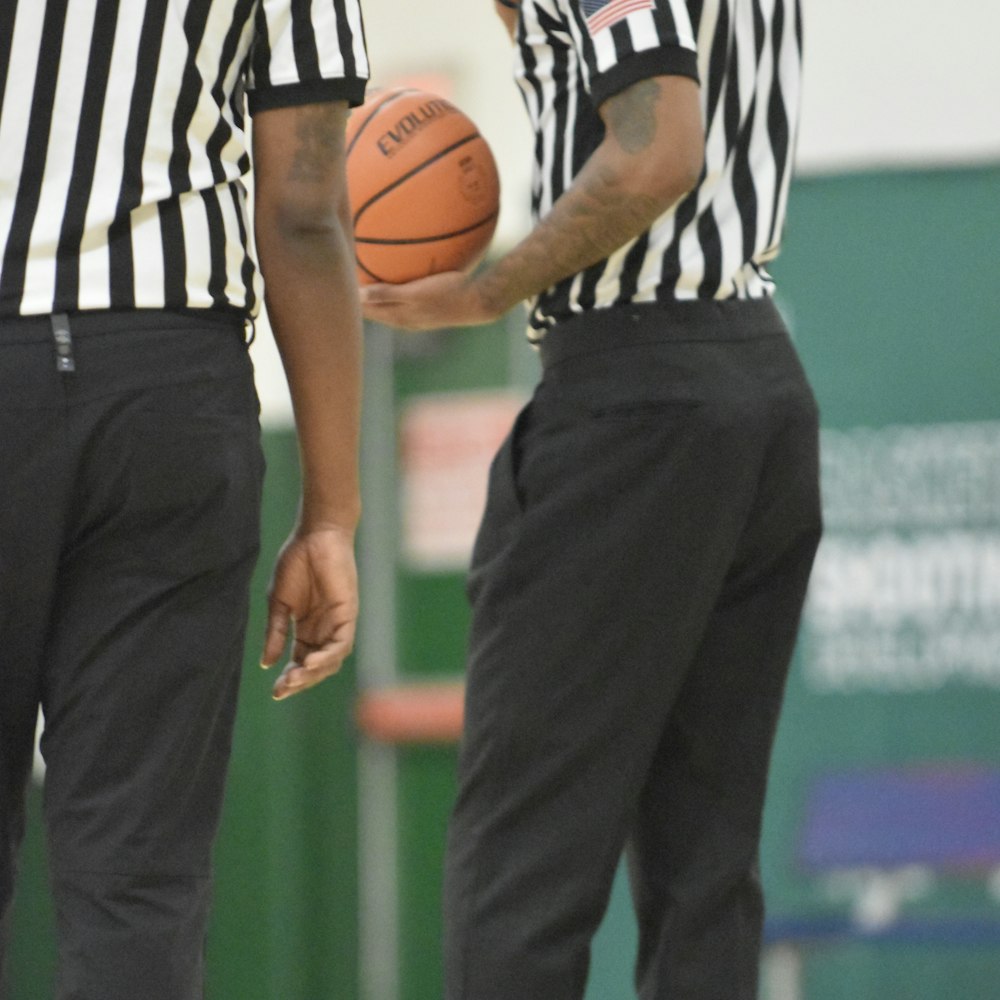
pixel 652 518
pixel 129 436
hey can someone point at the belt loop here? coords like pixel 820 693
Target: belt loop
pixel 65 362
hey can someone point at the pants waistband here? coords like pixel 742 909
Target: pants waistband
pixel 658 323
pixel 32 329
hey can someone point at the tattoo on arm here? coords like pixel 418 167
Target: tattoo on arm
pixel 578 232
pixel 598 216
pixel 632 116
pixel 605 217
pixel 320 133
pixel 614 198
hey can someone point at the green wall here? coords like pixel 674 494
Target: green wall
pixel 890 283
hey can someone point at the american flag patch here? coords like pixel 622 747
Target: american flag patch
pixel 601 14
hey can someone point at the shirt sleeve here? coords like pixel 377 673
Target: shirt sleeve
pixel 306 52
pixel 625 41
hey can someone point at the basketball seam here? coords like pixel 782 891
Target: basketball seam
pixel 388 99
pixel 415 170
pixel 370 273
pixel 374 241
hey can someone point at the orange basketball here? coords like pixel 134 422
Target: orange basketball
pixel 423 187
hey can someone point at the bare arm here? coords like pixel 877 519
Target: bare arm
pixel 508 15
pixel 651 155
pixel 303 232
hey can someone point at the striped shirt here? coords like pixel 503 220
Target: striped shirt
pixel 747 54
pixel 123 142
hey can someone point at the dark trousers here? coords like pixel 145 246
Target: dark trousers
pixel 131 472
pixel 636 588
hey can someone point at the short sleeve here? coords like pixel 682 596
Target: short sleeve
pixel 624 41
pixel 306 52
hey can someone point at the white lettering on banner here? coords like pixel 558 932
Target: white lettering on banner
pixel 906 661
pixel 925 579
pixel 905 595
pixel 941 476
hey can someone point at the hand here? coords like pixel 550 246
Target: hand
pixel 441 300
pixel 313 598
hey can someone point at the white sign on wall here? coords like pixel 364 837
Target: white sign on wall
pixel 905 595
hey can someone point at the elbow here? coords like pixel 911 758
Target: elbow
pixel 294 223
pixel 299 228
pixel 676 177
pixel 291 219
pixel 656 183
pixel 692 172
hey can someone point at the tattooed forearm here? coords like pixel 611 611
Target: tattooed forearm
pixel 650 157
pixel 600 218
pixel 320 133
pixel 581 229
pixel 631 116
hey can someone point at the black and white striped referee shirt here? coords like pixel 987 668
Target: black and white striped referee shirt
pixel 714 243
pixel 123 143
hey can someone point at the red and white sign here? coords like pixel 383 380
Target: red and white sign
pixel 447 442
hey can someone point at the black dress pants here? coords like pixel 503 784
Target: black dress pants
pixel 131 471
pixel 636 586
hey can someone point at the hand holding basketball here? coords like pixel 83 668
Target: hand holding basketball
pixel 423 187
pixel 439 300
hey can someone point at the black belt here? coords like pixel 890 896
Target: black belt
pixel 30 329
pixel 658 323
pixel 62 328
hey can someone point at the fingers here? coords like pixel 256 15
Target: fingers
pixel 312 602
pixel 279 623
pixel 383 304
pixel 312 664
pixel 376 298
pixel 437 301
pixel 304 672
pixel 378 294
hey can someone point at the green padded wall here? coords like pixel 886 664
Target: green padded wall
pixel 889 282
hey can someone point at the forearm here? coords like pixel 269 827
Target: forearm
pixel 594 218
pixel 303 231
pixel 651 155
pixel 312 303
pixel 507 10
